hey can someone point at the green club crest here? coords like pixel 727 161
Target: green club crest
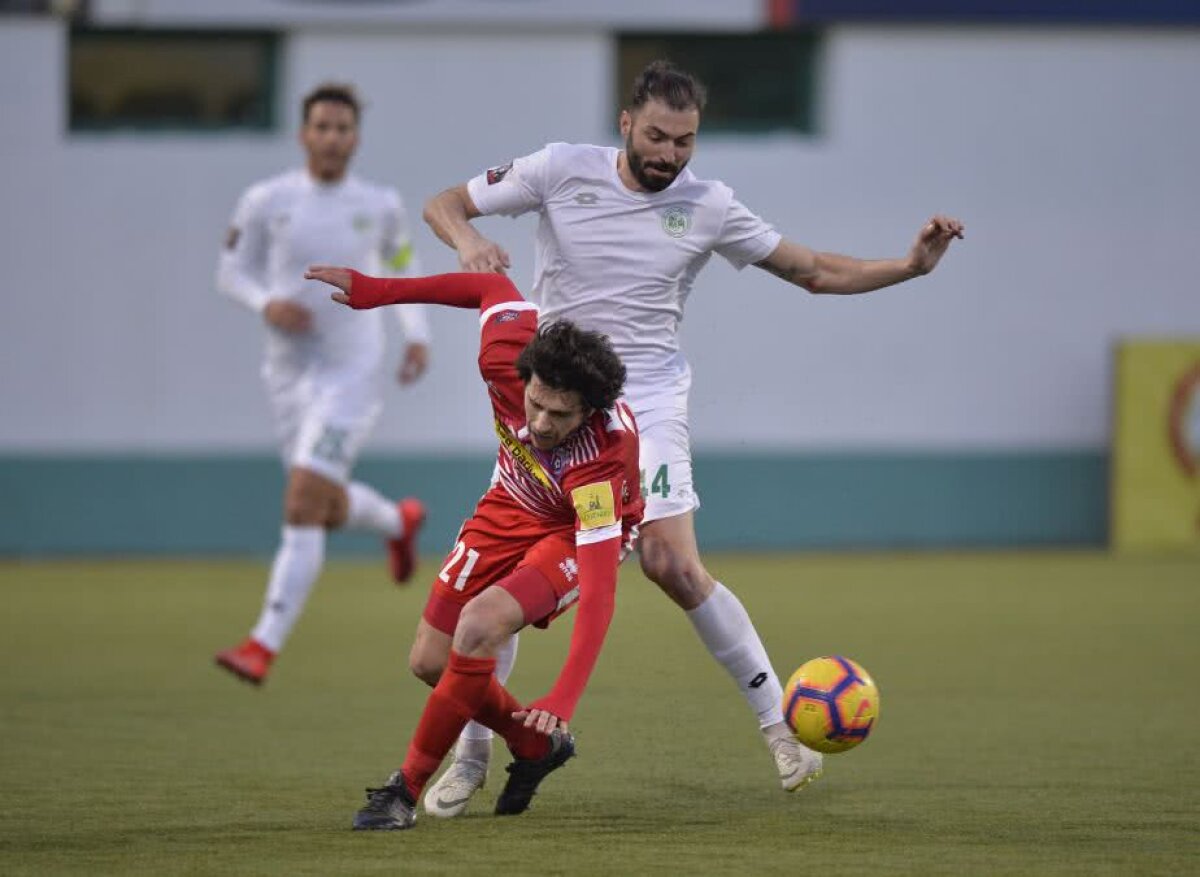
pixel 676 221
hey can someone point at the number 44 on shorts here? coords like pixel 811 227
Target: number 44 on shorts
pixel 660 485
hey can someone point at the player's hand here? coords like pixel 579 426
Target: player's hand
pixel 483 257
pixel 932 243
pixel 288 316
pixel 540 720
pixel 416 360
pixel 339 277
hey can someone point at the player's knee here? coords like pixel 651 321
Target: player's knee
pixel 426 667
pixel 480 629
pixel 310 502
pixel 661 563
pixel 337 511
pixel 304 512
pixel 680 575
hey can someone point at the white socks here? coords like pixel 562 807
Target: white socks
pixel 301 555
pixel 297 564
pixel 475 742
pixel 727 631
pixel 368 510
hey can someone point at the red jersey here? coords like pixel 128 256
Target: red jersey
pixel 585 491
pixel 590 481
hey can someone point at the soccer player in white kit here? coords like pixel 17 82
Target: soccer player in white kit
pixel 323 367
pixel 622 234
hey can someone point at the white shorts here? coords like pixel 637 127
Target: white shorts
pixel 666 468
pixel 322 418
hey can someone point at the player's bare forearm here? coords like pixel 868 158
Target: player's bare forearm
pixel 844 275
pixel 835 274
pixel 449 214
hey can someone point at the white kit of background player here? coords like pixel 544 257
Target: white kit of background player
pixel 324 364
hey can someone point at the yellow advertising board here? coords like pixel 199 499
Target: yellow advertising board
pixel 1156 446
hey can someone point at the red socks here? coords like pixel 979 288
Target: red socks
pixel 496 713
pixel 467 690
pixel 453 703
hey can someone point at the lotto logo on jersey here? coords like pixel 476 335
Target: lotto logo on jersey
pixel 594 505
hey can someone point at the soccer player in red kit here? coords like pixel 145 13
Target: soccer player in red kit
pixel 550 532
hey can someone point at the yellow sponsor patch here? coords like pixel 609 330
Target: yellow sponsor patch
pixel 521 454
pixel 594 504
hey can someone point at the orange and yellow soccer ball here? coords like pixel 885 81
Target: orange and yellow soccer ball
pixel 831 704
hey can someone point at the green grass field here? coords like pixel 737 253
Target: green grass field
pixel 1039 716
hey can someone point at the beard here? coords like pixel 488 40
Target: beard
pixel 638 166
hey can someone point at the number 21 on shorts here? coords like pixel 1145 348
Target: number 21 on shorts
pixel 463 574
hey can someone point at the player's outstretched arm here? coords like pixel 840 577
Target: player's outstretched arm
pixel 831 273
pixel 464 290
pixel 449 214
pixel 598 563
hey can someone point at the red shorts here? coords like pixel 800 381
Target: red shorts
pixel 533 560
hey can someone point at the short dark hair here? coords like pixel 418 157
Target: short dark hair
pixel 337 92
pixel 662 80
pixel 565 357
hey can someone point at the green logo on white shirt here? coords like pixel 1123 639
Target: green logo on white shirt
pixel 676 221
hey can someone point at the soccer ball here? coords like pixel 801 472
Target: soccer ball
pixel 831 704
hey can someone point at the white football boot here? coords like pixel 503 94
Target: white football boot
pixel 449 796
pixel 798 765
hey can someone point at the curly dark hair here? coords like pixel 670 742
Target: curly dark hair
pixel 336 92
pixel 662 80
pixel 565 357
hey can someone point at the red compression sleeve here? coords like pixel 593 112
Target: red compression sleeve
pixel 597 596
pixel 460 290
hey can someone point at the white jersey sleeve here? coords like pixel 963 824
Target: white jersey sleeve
pixel 242 266
pixel 400 261
pixel 745 238
pixel 514 188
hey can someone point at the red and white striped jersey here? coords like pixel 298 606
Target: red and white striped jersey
pixel 590 481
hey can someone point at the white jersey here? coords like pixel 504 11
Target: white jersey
pixel 623 262
pixel 288 222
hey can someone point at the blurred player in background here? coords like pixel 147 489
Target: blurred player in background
pixel 324 365
pixel 550 531
pixel 622 234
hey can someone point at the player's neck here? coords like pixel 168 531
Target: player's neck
pixel 626 175
pixel 326 178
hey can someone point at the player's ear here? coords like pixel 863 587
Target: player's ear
pixel 625 123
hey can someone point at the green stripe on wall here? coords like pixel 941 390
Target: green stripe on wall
pixel 231 504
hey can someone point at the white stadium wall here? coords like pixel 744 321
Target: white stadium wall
pixel 1070 154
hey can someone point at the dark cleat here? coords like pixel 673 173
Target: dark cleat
pixel 391 807
pixel 524 775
